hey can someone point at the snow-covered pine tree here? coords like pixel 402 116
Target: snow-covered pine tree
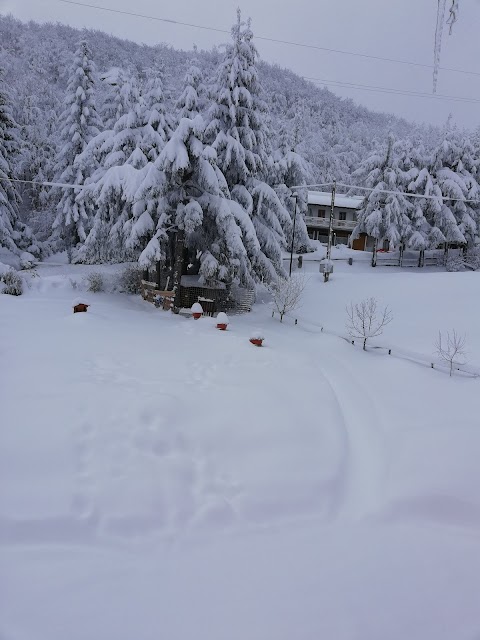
pixel 80 123
pixel 290 170
pixel 195 200
pixel 384 213
pixel 115 105
pixel 426 211
pixel 237 131
pixel 113 185
pixel 453 219
pixel 14 235
pixel 192 99
pixel 158 123
pixel 156 131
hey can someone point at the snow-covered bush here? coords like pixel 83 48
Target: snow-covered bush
pixel 455 264
pixel 131 279
pixel 287 293
pixel 95 282
pixel 472 259
pixel 27 260
pixel 11 283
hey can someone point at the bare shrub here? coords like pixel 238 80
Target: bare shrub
pixel 366 320
pixel 451 349
pixel 131 279
pixel 287 293
pixel 95 282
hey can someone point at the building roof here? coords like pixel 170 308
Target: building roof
pixel 341 200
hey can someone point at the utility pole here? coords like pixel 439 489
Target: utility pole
pixel 294 195
pixel 326 273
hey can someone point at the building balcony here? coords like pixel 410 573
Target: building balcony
pixel 324 223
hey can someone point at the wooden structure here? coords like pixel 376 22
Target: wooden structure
pixel 165 299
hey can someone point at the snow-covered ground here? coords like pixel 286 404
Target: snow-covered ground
pixel 162 479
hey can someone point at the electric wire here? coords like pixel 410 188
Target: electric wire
pixel 268 39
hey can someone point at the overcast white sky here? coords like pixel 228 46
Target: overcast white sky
pixel 394 29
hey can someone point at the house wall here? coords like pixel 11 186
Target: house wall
pixel 314 212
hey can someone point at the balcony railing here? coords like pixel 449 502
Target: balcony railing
pixel 324 223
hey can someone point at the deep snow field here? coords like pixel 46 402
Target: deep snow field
pixel 162 479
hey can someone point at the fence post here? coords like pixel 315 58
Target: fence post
pixel 389 352
pixel 296 321
pixel 431 365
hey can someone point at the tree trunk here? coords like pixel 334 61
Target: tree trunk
pixel 365 344
pixel 374 254
pixel 159 274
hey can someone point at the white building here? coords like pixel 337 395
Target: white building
pixel 345 219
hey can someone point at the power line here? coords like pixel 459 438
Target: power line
pixel 61 185
pixel 402 193
pixel 406 92
pixel 267 39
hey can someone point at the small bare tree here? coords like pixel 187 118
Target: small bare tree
pixel 452 350
pixel 366 320
pixel 287 293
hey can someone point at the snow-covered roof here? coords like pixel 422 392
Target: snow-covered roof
pixel 343 201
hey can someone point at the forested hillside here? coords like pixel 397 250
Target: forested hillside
pixel 207 149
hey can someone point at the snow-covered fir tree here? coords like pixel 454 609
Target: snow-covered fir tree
pixel 156 131
pixel 426 211
pixel 237 131
pixel 80 123
pixel 290 170
pixel 14 235
pixel 195 199
pixel 454 182
pixel 113 184
pixel 384 213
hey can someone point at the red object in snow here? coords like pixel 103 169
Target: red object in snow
pixel 222 326
pixel 80 308
pixel 256 341
pixel 196 316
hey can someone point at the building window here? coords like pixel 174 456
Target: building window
pixel 321 213
pixel 342 215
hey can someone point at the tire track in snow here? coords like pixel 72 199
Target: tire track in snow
pixel 364 461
